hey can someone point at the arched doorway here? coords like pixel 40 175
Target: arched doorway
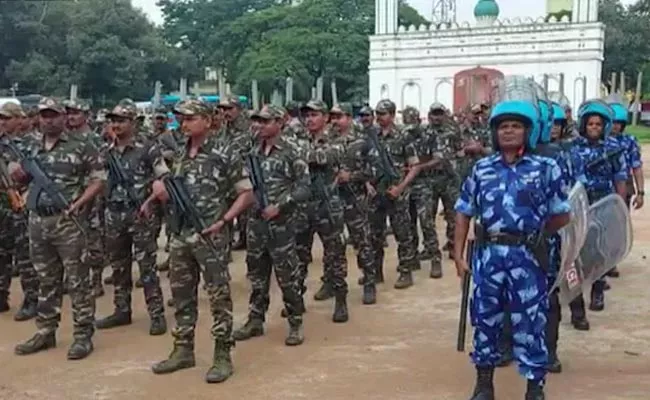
pixel 473 86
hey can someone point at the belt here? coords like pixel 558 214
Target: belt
pixel 506 239
pixel 44 211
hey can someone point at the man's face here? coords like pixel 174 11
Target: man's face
pixel 160 123
pixel 617 128
pixel 10 124
pixel 76 118
pixel 594 127
pixel 230 113
pixel 384 118
pixel 196 125
pixel 51 122
pixel 315 121
pixel 436 117
pixel 269 128
pixel 341 121
pixel 121 127
pixel 367 120
pixel 511 134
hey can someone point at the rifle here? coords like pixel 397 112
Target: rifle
pixel 16 201
pixel 323 193
pixel 256 176
pixel 464 299
pixel 42 183
pixel 184 211
pixel 117 176
pixel 594 164
pixel 389 175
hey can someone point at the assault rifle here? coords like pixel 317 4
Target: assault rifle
pixel 464 299
pixel 323 192
pixel 117 176
pixel 608 157
pixel 256 175
pixel 388 174
pixel 184 213
pixel 16 201
pixel 42 183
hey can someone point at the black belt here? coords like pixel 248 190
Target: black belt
pixel 506 239
pixel 536 244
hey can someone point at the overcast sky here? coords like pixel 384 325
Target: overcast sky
pixel 465 12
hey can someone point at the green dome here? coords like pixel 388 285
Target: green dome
pixel 486 8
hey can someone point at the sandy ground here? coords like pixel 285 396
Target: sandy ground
pixel 402 348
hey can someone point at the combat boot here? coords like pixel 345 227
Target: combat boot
pixel 252 328
pixel 554 365
pixel 221 368
pixel 36 343
pixel 369 294
pixel 109 280
pixel 114 320
pixel 325 292
pixel 405 280
pixel 597 296
pixel 484 389
pixel 534 391
pixel 580 324
pixel 171 302
pixel 613 273
pixel 27 310
pixel 296 335
pixel 180 358
pixel 4 303
pixel 436 270
pixel 80 349
pixel 340 309
pixel 158 326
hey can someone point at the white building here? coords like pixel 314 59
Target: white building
pixel 457 65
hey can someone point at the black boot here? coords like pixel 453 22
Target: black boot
pixel 80 349
pixel 436 269
pixel 484 389
pixel 325 292
pixel 405 280
pixel 597 296
pixel 222 367
pixel 369 294
pixel 180 358
pixel 613 273
pixel 252 328
pixel 114 320
pixel 552 333
pixel 158 326
pixel 534 391
pixel 36 343
pixel 578 314
pixel 296 335
pixel 27 310
pixel 340 309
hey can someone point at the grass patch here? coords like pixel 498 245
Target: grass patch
pixel 642 133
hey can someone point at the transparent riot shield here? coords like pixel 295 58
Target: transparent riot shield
pixel 570 277
pixel 559 99
pixel 514 95
pixel 609 238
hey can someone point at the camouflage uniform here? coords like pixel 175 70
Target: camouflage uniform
pixel 422 203
pixel 56 243
pixel 403 155
pixel 93 254
pixel 13 232
pixel 271 245
pixel 325 217
pixel 356 160
pixel 129 236
pixel 213 178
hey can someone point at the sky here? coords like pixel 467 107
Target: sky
pixel 465 8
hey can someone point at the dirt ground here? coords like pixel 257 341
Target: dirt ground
pixel 402 348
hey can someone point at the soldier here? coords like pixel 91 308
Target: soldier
pixel 213 175
pixel 367 116
pixel 237 128
pixel 294 126
pixel 271 230
pixel 129 234
pixel 14 227
pixel 356 171
pixel 504 264
pixel 77 113
pixel 600 179
pixel 391 196
pixel 325 211
pixel 443 177
pixel 56 241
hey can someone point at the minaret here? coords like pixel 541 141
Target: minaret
pixel 584 11
pixel 386 17
pixel 486 12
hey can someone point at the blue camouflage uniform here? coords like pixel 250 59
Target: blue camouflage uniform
pixel 632 158
pixel 515 200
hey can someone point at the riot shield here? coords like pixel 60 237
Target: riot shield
pixel 570 277
pixel 559 99
pixel 609 237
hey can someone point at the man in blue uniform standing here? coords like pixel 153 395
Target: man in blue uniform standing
pixel 517 199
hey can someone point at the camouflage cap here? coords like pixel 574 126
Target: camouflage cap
pixel 366 110
pixel 126 108
pixel 12 110
pixel 437 107
pixel 49 103
pixel 193 107
pixel 229 101
pixel 315 105
pixel 410 113
pixel 294 105
pixel 77 104
pixel 276 108
pixel 160 112
pixel 268 112
pixel 342 108
pixel 385 106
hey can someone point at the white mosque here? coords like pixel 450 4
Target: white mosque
pixel 457 64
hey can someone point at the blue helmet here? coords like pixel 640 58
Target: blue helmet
pixel 595 107
pixel 513 109
pixel 546 121
pixel 620 113
pixel 559 115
